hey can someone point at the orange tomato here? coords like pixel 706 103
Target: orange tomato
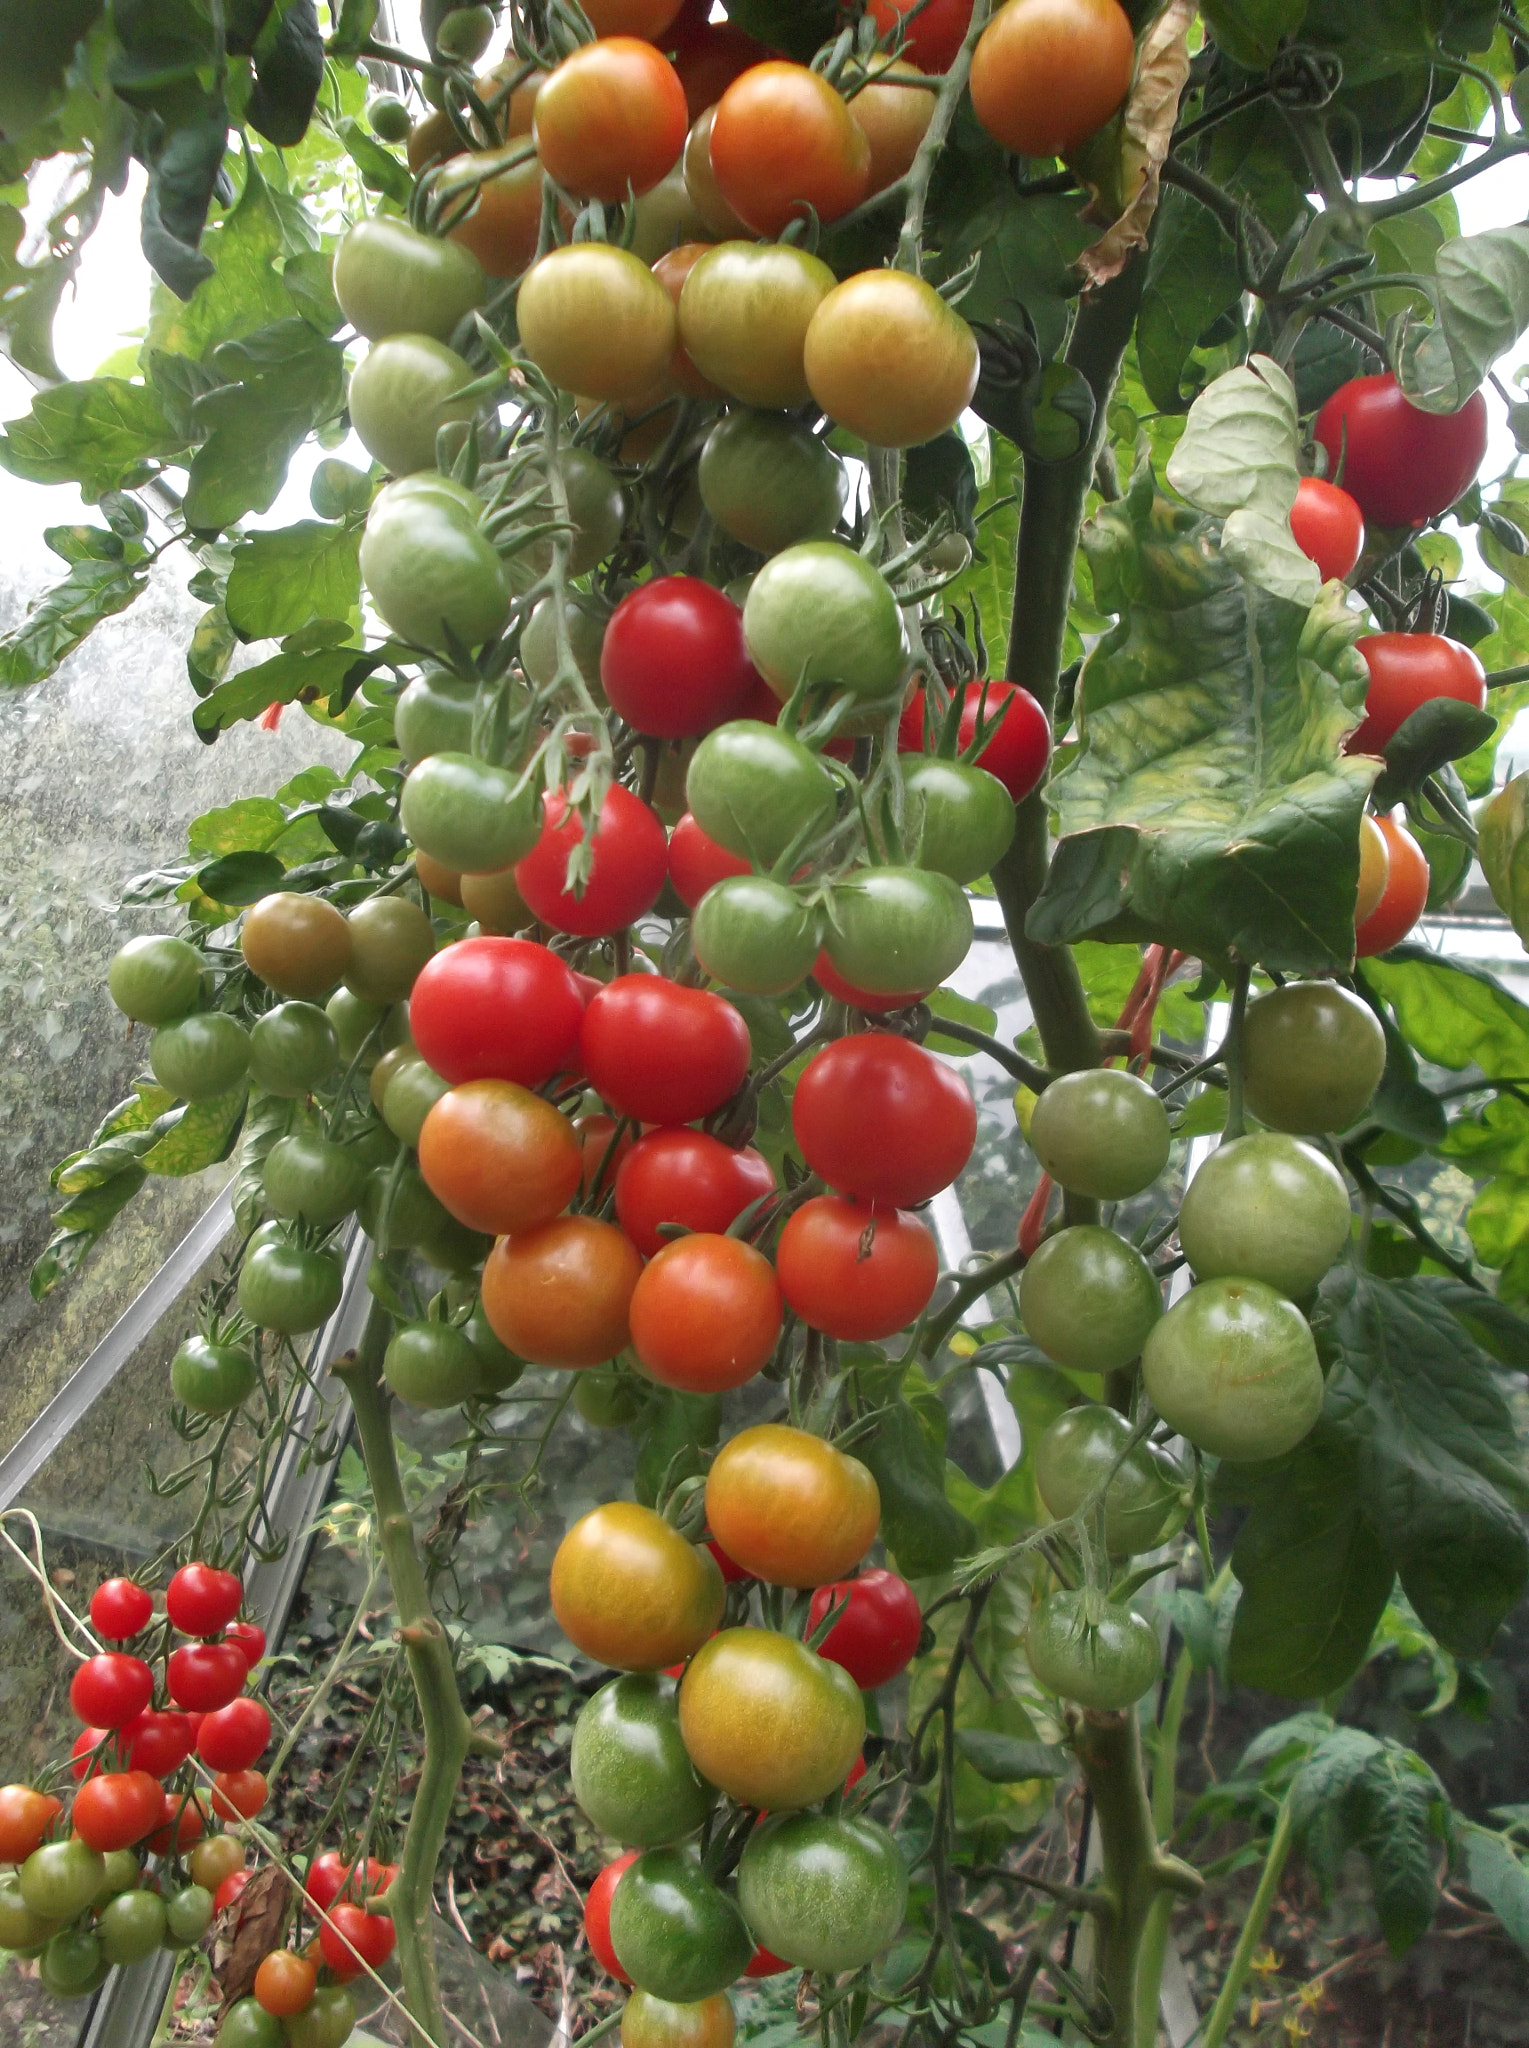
pixel 505 223
pixel 782 140
pixel 671 270
pixel 611 117
pixel 630 1592
pixel 789 1507
pixel 893 119
pixel 560 1294
pixel 1048 74
pixel 1403 898
pixel 499 1157
pixel 496 903
pixel 285 1984
pixel 706 1313
pixel 768 1721
pixel 441 881
pixel 888 359
pixel 238 1795
pixel 25 1817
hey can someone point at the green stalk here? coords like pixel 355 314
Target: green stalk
pixel 1275 1858
pixel 1154 1940
pixel 427 1648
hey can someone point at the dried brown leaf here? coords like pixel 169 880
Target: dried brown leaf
pixel 1145 132
pixel 256 1919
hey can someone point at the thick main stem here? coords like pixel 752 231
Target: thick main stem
pixel 427 1648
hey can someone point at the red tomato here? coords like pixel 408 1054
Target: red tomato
pixel 559 1294
pixel 1328 527
pixel 673 661
pixel 878 1117
pixel 935 34
pixel 351 1938
pixel 856 1272
pixel 1408 670
pixel 233 1737
pixel 597 1914
pixel 708 56
pixel 230 1889
pixel 111 1689
pixel 1405 896
pixel 117 1810
pixel 781 140
pixel 631 859
pixel 611 115
pixel 1017 751
pixel 25 1818
pixel 119 1609
pixel 876 1635
pixel 492 1009
pixel 1400 464
pixel 696 862
pixel 238 1795
pixel 250 1637
pixel 680 1176
pixel 601 1151
pixel 765 1965
pixel 159 1743
pixel 832 983
pixel 732 1572
pixel 206 1676
pixel 185 1821
pixel 200 1600
pixel 84 1752
pixel 329 1874
pixel 705 1313
pixel 662 1053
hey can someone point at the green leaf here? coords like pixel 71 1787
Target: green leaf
pixel 1495 1873
pixel 1314 1574
pixel 184 167
pixel 944 1002
pixel 1239 460
pixel 1437 1452
pixel 78 1226
pixel 1400 1814
pixel 786 24
pixel 277 681
pixel 676 1441
pixel 240 878
pixel 1192 279
pixel 1006 1759
pixel 920 1528
pixel 95 434
pixel 1482 283
pixel 251 825
pixel 1437 732
pixel 61 618
pixel 201 1135
pixel 380 170
pixel 245 290
pixel 1452 1013
pixel 282 580
pixel 987 583
pixel 309 278
pixel 267 1118
pixel 1209 806
pixel 289 69
pixel 1503 850
pixel 1250 31
pixel 283 381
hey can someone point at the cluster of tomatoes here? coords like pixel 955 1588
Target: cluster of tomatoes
pixel 299 1996
pixel 722 1756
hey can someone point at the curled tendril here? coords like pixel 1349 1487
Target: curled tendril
pixel 1304 79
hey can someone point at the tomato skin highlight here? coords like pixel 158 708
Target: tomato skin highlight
pixel 706 1314
pixel 673 662
pixel 1408 670
pixel 881 1119
pixel 1328 527
pixel 879 1631
pixel 856 1272
pixel 1048 74
pixel 612 115
pixel 1401 465
pixel 1405 897
pixel 662 1053
pixel 560 1294
pixel 631 860
pixel 630 1592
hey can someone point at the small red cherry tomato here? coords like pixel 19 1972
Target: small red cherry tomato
pixel 876 1635
pixel 201 1600
pixel 119 1608
pixel 1328 527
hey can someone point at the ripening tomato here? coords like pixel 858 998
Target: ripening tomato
pixel 878 1117
pixel 892 396
pixel 119 1609
pixel 235 1736
pixel 611 116
pixel 597 1914
pixel 700 180
pixel 109 1690
pixel 689 1177
pixel 298 945
pixel 1048 74
pixel 25 1817
pixel 285 1983
pixel 214 1861
pixel 351 1939
pixel 559 1294
pixel 504 226
pixel 597 321
pixel 1328 527
pixel 1017 750
pixel 496 1009
pixel 663 1053
pixel 782 140
pixel 768 1721
pixel 1401 465
pixel 206 1676
pixel 498 1157
pixel 238 1795
pixel 229 1890
pixel 630 1592
pixel 832 983
pixel 856 1272
pixel 878 1632
pixel 671 269
pixel 631 860
pixel 674 663
pixel 708 56
pixel 892 118
pixel 201 1600
pixel 789 1508
pixel 185 1822
pixel 1408 670
pixel 706 1313
pixel 117 1810
pixel 935 33
pixel 1406 894
pixel 696 861
pixel 743 318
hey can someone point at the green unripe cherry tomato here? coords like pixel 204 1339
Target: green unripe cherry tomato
pixel 823 1891
pixel 1312 1057
pixel 61 1879
pixel 675 1933
pixel 819 610
pixel 415 1214
pixel 465 33
pixel 769 481
pixel 431 1365
pixel 155 979
pixel 607 1399
pixel 328 2022
pixel 498 1367
pixel 1089 1299
pixel 429 567
pixel 411 1092
pixel 1265 1208
pixel 132 1927
pixel 757 790
pixel 1233 1367
pixel 390 941
pixel 247 2025
pixel 354 1019
pixel 960 819
pixel 401 395
pixel 596 513
pixel 72 1965
pixel 211 1378
pixel 434 715
pixel 628 1764
pixel 312 1178
pixel 1102 1133
pixel 286 1289
pixel 474 818
pixel 337 489
pixel 1145 1498
pixel 391 280
pixel 20 1927
pixel 538 646
pixel 123 1872
pixel 200 1057
pixel 388 118
pixel 1095 1651
pixel 892 930
pixel 754 934
pixel 188 1914
pixel 293 1048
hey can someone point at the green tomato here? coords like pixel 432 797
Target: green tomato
pixel 337 489
pixel 200 1057
pixel 390 941
pixel 430 568
pixel 1265 1208
pixel 286 1289
pixel 411 1092
pixel 188 1915
pixel 754 934
pixel 1101 1132
pixel 629 1767
pixel 538 646
pixel 1089 1299
pixel 415 1215
pixel 960 819
pixel 72 1965
pixel 465 33
pixel 212 1378
pixel 434 715
pixel 474 818
pixel 401 396
pixel 431 1365
pixel 20 1927
pixel 675 1933
pixel 819 611
pixel 388 118
pixel 1312 1057
pixel 328 2022
pixel 596 513
pixel 1145 1498
pixel 293 1048
pixel 498 1367
pixel 391 280
pixel 893 930
pixel 769 481
pixel 246 2025
pixel 355 1019
pixel 132 1927
pixel 123 1872
pixel 61 1879
pixel 823 1891
pixel 1233 1367
pixel 1083 1647
pixel 609 1399
pixel 156 979
pixel 312 1179
pixel 757 790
